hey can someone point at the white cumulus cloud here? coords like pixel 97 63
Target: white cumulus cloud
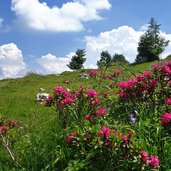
pixel 11 61
pixel 51 64
pixel 123 40
pixel 70 17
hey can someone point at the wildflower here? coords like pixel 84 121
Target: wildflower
pixel 154 161
pixel 153 84
pixel 67 82
pixel 139 77
pixel 133 119
pixel 147 73
pixel 117 72
pixel 70 138
pixel 168 101
pixel 105 131
pixel 58 89
pixel 169 83
pixel 87 136
pixel 4 128
pixel 105 94
pixel 124 137
pixel 14 123
pixel 166 118
pixel 122 94
pixel 156 66
pixel 61 91
pixel 116 133
pixel 68 100
pixel 144 156
pixel 123 84
pixel 93 73
pixel 100 112
pixel 95 102
pixel 87 117
pixel 92 93
pixel 166 69
pixel 130 133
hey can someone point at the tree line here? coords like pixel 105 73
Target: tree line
pixel 150 46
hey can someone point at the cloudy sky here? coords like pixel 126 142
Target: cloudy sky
pixel 42 35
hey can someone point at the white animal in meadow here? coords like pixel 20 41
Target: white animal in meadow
pixel 41 97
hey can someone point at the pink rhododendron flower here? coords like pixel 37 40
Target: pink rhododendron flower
pixel 87 117
pixel 4 128
pixel 61 91
pixel 156 66
pixel 105 94
pixel 147 73
pixel 68 100
pixel 144 156
pixel 168 101
pixel 70 138
pixel 166 118
pixel 92 93
pixel 116 133
pixel 117 72
pixel 95 102
pixel 67 81
pixel 153 84
pixel 123 84
pixel 93 73
pixel 169 83
pixel 166 69
pixel 105 131
pixel 154 161
pixel 122 94
pixel 58 89
pixel 100 112
pixel 139 77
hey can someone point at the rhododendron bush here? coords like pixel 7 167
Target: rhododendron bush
pixel 113 122
pixel 112 125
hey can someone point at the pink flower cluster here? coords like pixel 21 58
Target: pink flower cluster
pixel 100 112
pixel 145 84
pixel 163 69
pixel 60 91
pixel 70 138
pixel 63 96
pixel 67 82
pixel 168 101
pixel 166 119
pixel 66 101
pixel 127 139
pixel 48 101
pixel 105 132
pixel 152 160
pixel 4 128
pixel 135 87
pixel 92 93
pixel 93 73
pixel 114 75
pixel 6 124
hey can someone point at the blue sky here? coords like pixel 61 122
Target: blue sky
pixel 42 35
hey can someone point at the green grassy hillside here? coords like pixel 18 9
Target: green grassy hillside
pixel 18 96
pixel 40 143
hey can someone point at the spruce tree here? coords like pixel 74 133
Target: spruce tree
pixel 151 44
pixel 77 60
